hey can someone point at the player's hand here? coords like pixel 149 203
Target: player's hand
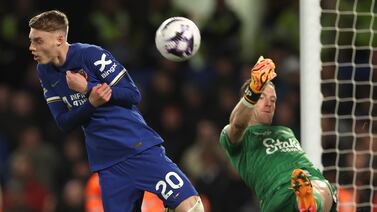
pixel 262 72
pixel 77 81
pixel 100 94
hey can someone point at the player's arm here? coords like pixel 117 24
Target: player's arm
pixel 262 72
pixel 67 119
pixel 124 90
pixel 239 119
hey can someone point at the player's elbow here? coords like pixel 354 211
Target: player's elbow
pixel 63 125
pixel 238 126
pixel 65 128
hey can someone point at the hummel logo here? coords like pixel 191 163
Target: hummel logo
pixel 55 83
pixel 103 62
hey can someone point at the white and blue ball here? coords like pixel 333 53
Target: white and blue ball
pixel 177 39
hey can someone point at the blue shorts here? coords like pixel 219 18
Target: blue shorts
pixel 123 184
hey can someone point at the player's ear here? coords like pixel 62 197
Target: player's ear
pixel 60 38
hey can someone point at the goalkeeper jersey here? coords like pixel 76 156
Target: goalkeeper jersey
pixel 113 131
pixel 265 159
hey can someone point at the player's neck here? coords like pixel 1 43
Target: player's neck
pixel 61 55
pixel 253 121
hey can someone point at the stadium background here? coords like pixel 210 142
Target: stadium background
pixel 188 103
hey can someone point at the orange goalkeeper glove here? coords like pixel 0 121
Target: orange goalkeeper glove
pixel 262 72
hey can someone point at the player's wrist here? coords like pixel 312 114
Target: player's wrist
pixel 85 91
pixel 246 103
pixel 89 87
pixel 250 97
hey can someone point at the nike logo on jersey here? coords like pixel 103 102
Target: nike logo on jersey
pixel 55 83
pixel 102 62
pixel 176 195
pixel 138 144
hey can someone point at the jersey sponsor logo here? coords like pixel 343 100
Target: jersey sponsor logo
pixel 274 145
pixel 107 72
pixel 102 62
pixel 74 100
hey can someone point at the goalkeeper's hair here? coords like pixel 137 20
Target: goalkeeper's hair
pixel 247 83
pixel 50 21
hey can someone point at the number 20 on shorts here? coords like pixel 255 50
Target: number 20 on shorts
pixel 169 181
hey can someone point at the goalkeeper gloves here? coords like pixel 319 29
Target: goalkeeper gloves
pixel 262 72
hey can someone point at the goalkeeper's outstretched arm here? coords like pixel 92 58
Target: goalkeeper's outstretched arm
pixel 262 72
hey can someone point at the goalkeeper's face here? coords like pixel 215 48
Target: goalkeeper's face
pixel 44 46
pixel 265 107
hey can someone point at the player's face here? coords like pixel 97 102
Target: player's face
pixel 265 107
pixel 43 45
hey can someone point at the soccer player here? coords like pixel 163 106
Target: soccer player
pixel 84 85
pixel 269 158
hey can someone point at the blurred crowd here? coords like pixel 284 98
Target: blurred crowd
pixel 188 103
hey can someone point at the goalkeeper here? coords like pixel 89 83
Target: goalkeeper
pixel 269 158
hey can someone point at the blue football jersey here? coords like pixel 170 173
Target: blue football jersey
pixel 113 131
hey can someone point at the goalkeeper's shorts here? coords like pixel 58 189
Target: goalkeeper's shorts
pixel 123 184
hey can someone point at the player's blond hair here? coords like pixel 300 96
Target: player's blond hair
pixel 50 21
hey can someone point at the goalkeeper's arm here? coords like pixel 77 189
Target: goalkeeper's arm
pixel 262 72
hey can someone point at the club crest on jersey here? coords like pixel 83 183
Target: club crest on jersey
pixel 102 62
pixel 83 73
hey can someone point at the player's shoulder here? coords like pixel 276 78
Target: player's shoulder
pixel 224 131
pixel 282 128
pixel 231 148
pixel 85 47
pixel 224 137
pixel 266 127
pixel 88 51
pixel 267 130
pixel 42 69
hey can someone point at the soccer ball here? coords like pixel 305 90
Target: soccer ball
pixel 177 39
